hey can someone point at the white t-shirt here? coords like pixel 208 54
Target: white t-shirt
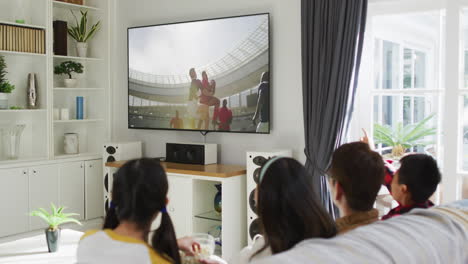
pixel 245 256
pixel 108 247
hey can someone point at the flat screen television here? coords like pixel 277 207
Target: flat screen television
pixel 207 75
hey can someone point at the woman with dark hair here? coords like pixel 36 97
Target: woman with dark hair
pixel 288 209
pixel 139 194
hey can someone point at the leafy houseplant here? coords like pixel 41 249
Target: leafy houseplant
pixel 81 34
pixel 5 86
pixel 54 219
pixel 402 137
pixel 67 68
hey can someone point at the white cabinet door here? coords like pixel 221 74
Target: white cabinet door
pixel 43 190
pixel 94 189
pixel 180 204
pixel 71 190
pixel 14 201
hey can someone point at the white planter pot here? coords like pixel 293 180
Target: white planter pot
pixel 82 49
pixel 70 83
pixel 3 101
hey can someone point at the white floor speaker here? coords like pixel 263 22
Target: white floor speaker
pixel 115 152
pixel 254 161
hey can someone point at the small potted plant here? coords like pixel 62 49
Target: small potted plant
pixel 402 137
pixel 81 33
pixel 5 87
pixel 68 67
pixel 54 219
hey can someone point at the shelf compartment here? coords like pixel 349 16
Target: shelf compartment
pixel 212 215
pixel 21 25
pixel 76 58
pixel 5 162
pixel 6 52
pixel 78 89
pixel 23 111
pixel 91 137
pixel 70 6
pixel 78 121
pixel 79 155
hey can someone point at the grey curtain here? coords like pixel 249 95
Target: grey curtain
pixel 332 41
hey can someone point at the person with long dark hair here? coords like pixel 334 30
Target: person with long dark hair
pixel 288 210
pixel 139 195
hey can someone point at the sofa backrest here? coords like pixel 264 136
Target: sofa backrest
pixel 436 235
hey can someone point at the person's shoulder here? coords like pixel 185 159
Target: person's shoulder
pixel 156 258
pixel 89 233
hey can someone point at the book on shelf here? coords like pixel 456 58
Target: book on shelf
pixel 22 39
pixel 1 37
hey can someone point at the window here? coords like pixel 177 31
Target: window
pixel 400 96
pixel 415 68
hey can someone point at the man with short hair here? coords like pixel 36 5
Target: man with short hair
pixel 356 175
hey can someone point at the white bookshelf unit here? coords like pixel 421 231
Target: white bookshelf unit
pixel 43 136
pixel 43 173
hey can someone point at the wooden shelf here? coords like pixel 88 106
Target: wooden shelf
pixel 22 53
pixel 77 121
pixel 21 25
pixel 23 111
pixel 76 58
pixel 211 170
pixel 60 4
pixel 77 89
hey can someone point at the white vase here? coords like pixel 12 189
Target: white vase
pixel 3 101
pixel 11 138
pixel 71 143
pixel 82 49
pixel 70 83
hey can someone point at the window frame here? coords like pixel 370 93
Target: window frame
pixel 450 90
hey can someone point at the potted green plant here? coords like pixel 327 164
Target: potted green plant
pixel 54 219
pixel 402 137
pixel 5 87
pixel 67 68
pixel 81 33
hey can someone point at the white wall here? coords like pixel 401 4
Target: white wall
pixel 287 118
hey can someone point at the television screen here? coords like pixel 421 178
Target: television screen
pixel 210 75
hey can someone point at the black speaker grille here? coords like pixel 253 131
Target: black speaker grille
pixel 111 150
pixel 106 182
pixel 259 160
pixel 252 203
pixel 110 159
pixel 185 153
pixel 254 228
pixel 256 175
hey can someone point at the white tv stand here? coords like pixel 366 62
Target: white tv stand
pixel 191 195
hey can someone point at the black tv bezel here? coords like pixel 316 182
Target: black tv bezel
pixel 204 132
